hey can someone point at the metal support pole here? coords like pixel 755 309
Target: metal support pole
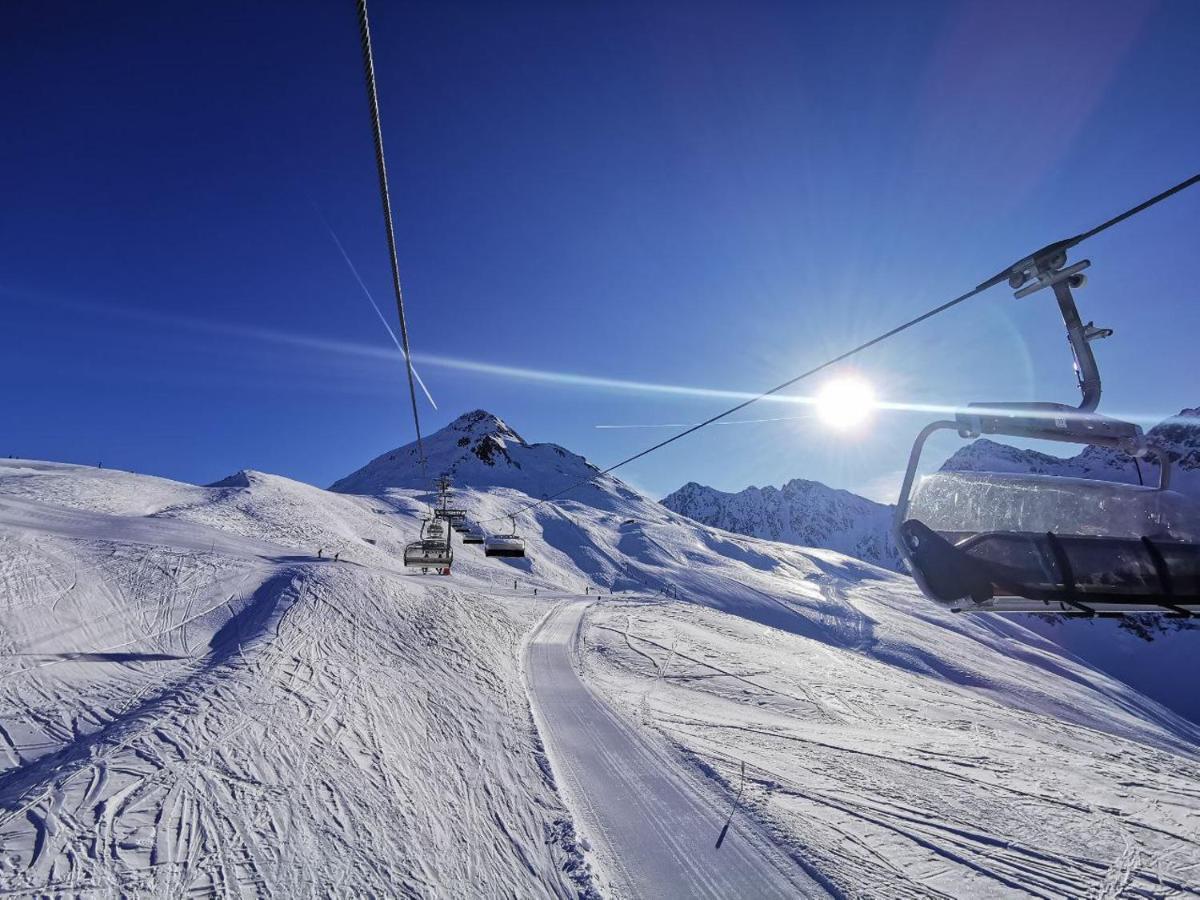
pixel 1086 370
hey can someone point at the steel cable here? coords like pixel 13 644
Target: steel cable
pixel 364 30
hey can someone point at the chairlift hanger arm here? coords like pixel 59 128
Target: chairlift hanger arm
pixel 1057 421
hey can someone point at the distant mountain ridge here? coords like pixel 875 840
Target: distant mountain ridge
pixel 802 512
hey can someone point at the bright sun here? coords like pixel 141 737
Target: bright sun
pixel 845 402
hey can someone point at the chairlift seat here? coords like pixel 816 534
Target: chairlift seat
pixel 504 545
pixel 426 554
pixel 983 540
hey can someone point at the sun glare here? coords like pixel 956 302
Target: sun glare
pixel 845 402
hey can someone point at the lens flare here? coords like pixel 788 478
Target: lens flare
pixel 382 318
pixel 845 402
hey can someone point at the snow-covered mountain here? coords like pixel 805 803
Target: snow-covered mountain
pixel 1178 435
pixel 480 450
pixel 194 700
pixel 806 513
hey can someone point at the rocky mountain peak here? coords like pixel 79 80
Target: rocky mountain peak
pixel 801 512
pixel 479 449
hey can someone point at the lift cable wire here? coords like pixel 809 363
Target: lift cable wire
pixel 385 196
pixel 1129 213
pixel 978 289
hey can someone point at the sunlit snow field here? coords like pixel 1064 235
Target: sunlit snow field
pixel 191 700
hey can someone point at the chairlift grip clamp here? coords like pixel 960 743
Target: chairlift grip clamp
pixel 1048 269
pixel 1044 277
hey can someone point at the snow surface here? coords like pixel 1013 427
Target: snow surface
pixel 191 700
pixel 623 781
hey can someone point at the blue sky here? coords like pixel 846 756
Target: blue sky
pixel 706 195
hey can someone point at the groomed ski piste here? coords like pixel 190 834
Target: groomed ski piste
pixel 194 702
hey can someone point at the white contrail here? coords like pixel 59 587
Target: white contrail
pixel 374 305
pixel 719 422
pixel 566 379
pixel 573 379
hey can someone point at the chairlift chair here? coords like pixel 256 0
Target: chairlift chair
pixel 456 517
pixel 473 535
pixel 434 530
pixel 432 551
pixel 1001 542
pixel 509 545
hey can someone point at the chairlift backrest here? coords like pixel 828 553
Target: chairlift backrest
pixel 425 554
pixel 504 545
pixel 511 544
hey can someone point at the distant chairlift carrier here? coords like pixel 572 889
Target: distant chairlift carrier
pixel 433 551
pixel 457 518
pixel 1000 542
pixel 510 545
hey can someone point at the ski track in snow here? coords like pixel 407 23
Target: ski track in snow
pixel 321 737
pixel 658 830
pixel 191 703
pixel 898 797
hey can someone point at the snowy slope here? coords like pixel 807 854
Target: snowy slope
pixel 623 780
pixel 186 709
pixel 190 699
pixel 801 512
pixel 896 776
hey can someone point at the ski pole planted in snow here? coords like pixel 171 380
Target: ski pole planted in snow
pixel 736 801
